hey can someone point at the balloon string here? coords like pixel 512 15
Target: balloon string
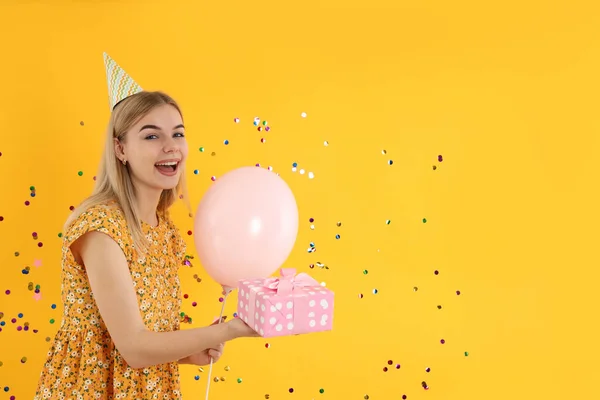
pixel 211 359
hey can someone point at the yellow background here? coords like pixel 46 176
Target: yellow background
pixel 507 93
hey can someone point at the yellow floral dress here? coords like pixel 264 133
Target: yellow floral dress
pixel 83 362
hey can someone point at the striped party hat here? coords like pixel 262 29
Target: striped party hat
pixel 120 85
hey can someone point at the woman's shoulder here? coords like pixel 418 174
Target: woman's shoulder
pixel 105 214
pixel 109 210
pixel 168 222
pixel 106 217
pixel 173 238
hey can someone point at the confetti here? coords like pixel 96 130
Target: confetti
pixel 374 272
pixel 321 265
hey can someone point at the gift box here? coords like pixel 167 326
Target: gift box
pixel 289 305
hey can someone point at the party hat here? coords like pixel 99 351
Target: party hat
pixel 120 85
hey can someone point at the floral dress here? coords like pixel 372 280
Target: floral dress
pixel 83 362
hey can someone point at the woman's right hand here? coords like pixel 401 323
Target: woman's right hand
pixel 240 329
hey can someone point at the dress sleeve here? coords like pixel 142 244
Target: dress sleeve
pixel 102 219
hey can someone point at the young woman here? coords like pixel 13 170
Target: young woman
pixel 120 337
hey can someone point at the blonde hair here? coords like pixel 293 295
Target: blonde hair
pixel 113 180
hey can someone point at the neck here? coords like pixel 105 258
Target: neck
pixel 147 204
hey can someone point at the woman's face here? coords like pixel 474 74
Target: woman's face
pixel 155 149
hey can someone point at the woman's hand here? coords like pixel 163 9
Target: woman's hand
pixel 240 329
pixel 204 357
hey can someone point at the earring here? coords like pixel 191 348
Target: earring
pixel 124 162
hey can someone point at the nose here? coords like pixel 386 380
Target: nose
pixel 171 146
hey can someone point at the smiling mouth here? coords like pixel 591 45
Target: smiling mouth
pixel 168 167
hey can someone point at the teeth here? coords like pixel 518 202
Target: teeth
pixel 168 163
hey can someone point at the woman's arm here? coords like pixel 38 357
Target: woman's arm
pixel 184 361
pixel 115 296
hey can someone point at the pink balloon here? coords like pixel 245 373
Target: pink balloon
pixel 245 225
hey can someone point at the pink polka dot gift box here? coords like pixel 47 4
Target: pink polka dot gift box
pixel 288 305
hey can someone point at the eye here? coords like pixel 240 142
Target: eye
pixel 151 137
pixel 179 134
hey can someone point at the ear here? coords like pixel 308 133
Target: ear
pixel 119 150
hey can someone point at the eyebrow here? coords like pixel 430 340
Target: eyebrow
pixel 157 128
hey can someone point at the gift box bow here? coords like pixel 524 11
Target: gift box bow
pixel 289 281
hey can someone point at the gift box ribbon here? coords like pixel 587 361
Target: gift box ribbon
pixel 289 281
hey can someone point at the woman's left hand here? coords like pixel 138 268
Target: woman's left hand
pixel 203 358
